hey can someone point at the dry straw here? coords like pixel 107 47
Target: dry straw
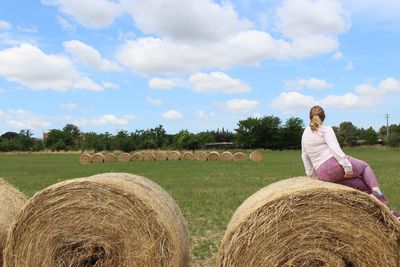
pixel 226 156
pixel 137 156
pixel 112 219
pixel 256 156
pixel 85 158
pixel 98 158
pixel 239 156
pixel 306 222
pixel 124 157
pixel 188 155
pixel 200 155
pixel 11 201
pixel 110 157
pixel 161 155
pixel 174 155
pixel 213 156
pixel 148 156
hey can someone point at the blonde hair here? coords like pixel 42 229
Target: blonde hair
pixel 317 116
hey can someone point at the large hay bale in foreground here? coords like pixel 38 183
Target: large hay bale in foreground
pixel 11 201
pixel 112 219
pixel 98 158
pixel 239 156
pixel 306 222
pixel 200 155
pixel 137 156
pixel 148 156
pixel 110 157
pixel 256 156
pixel 161 155
pixel 85 158
pixel 226 156
pixel 174 155
pixel 124 157
pixel 213 156
pixel 187 155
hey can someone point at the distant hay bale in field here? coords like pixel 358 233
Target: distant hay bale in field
pixel 148 156
pixel 256 156
pixel 98 158
pixel 110 157
pixel 161 155
pixel 213 156
pixel 200 155
pixel 124 157
pixel 306 222
pixel 85 158
pixel 174 155
pixel 137 156
pixel 187 155
pixel 239 156
pixel 226 156
pixel 11 201
pixel 111 219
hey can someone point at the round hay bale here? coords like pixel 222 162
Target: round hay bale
pixel 148 156
pixel 256 156
pixel 110 157
pixel 137 156
pixel 239 156
pixel 213 156
pixel 306 222
pixel 11 201
pixel 111 219
pixel 124 157
pixel 200 155
pixel 98 158
pixel 161 155
pixel 174 155
pixel 188 155
pixel 85 158
pixel 226 156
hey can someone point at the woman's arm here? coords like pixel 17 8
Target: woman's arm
pixel 333 144
pixel 307 162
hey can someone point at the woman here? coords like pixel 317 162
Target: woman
pixel 323 158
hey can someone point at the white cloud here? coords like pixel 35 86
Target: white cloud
pixel 172 115
pixel 108 85
pixel 350 66
pixel 91 14
pixel 154 101
pixel 195 20
pixel 299 18
pixel 348 100
pixel 242 106
pixel 164 84
pixel 108 119
pixel 289 102
pixel 4 25
pixel 312 83
pixel 65 24
pixel 385 87
pixel 338 55
pixel 216 82
pixel 203 115
pixel 88 55
pixel 21 119
pixel 27 29
pixel 30 67
pixel 69 106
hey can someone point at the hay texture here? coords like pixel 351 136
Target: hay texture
pixel 85 158
pixel 148 156
pixel 98 158
pixel 226 156
pixel 174 155
pixel 161 155
pixel 213 156
pixel 125 157
pixel 112 219
pixel 188 155
pixel 256 156
pixel 137 156
pixel 200 155
pixel 239 156
pixel 306 222
pixel 110 157
pixel 11 201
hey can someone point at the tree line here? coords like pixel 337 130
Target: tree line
pixel 268 132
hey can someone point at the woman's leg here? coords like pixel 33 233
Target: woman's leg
pixel 363 170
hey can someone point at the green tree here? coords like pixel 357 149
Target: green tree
pixel 369 135
pixel 185 140
pixel 348 133
pixel 291 133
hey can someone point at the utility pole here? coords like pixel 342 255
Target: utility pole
pixel 387 125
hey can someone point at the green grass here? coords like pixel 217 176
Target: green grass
pixel 207 192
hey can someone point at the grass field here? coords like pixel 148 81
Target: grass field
pixel 207 192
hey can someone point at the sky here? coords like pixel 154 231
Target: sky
pixel 110 65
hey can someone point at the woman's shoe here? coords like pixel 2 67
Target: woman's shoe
pixel 380 197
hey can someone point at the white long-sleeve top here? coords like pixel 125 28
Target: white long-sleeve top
pixel 319 146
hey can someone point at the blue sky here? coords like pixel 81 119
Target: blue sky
pixel 196 64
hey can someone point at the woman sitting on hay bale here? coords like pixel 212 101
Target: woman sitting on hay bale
pixel 323 158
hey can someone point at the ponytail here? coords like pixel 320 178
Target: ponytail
pixel 317 116
pixel 315 123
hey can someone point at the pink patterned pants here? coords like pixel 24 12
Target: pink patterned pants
pixel 363 177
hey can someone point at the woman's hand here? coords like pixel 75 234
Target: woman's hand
pixel 348 174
